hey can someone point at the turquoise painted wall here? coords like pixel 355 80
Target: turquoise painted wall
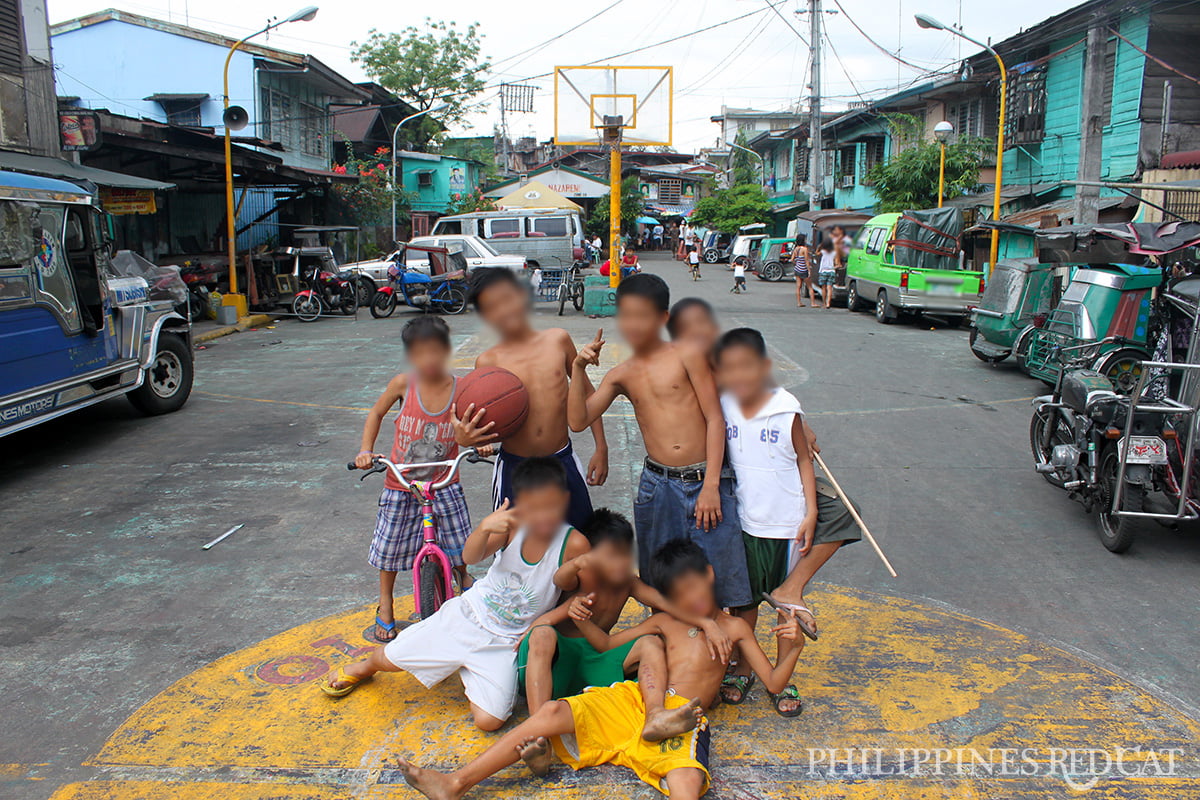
pixel 439 194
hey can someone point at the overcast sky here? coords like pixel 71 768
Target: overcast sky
pixel 756 61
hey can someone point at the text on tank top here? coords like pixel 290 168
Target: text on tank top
pixel 422 435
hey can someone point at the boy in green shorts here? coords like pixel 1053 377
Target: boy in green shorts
pixel 555 660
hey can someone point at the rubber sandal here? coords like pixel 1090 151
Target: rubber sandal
pixel 790 693
pixel 779 605
pixel 351 683
pixel 743 683
pixel 390 627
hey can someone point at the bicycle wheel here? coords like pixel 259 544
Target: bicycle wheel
pixel 577 296
pixel 429 581
pixel 562 297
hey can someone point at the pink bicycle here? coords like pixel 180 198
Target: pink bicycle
pixel 433 577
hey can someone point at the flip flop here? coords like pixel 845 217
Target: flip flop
pixel 351 683
pixel 779 605
pixel 743 683
pixel 790 693
pixel 390 627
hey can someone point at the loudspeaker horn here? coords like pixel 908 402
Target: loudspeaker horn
pixel 235 118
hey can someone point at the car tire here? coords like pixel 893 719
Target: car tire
pixel 366 291
pixel 711 256
pixel 167 382
pixel 885 314
pixel 771 271
pixel 853 301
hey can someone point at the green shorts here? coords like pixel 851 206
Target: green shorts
pixel 766 562
pixel 577 665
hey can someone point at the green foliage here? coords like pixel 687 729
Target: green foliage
pixel 471 201
pixel 909 179
pixel 368 201
pixel 632 205
pixel 426 68
pixel 726 210
pixel 745 167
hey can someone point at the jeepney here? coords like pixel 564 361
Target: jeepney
pixel 74 333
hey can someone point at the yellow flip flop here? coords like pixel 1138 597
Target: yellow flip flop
pixel 351 683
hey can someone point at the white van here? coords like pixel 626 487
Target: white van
pixel 548 237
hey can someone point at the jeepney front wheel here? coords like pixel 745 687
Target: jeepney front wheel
pixel 168 380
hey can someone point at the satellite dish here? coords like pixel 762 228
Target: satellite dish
pixel 235 118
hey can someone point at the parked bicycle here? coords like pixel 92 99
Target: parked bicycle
pixel 571 287
pixel 433 575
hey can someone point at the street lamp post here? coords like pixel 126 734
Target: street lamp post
pixel 942 132
pixel 234 299
pixel 396 132
pixel 928 22
pixel 762 165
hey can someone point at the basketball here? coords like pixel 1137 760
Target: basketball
pixel 500 393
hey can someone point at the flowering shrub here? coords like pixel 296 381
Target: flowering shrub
pixel 369 199
pixel 471 201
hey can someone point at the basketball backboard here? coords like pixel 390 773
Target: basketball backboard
pixel 587 100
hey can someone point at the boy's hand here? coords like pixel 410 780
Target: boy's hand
pixel 811 436
pixel 580 609
pixel 720 646
pixel 708 507
pixel 805 533
pixel 589 354
pixel 500 522
pixel 467 430
pixel 597 471
pixel 364 459
pixel 789 630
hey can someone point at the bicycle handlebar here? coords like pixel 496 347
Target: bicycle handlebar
pixel 384 464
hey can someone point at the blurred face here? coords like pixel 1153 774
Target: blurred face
pixel 697 328
pixel 505 307
pixel 743 373
pixel 640 321
pixel 429 358
pixel 693 593
pixel 613 560
pixel 542 510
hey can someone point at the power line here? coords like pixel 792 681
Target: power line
pixel 787 22
pixel 555 38
pixel 876 44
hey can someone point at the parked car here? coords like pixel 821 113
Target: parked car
pixel 74 333
pixel 547 237
pixel 816 226
pixel 478 253
pixel 938 286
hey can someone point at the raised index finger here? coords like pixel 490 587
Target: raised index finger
pixel 599 335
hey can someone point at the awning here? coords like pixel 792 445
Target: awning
pixel 61 168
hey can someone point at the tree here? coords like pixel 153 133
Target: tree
pixel 726 210
pixel 631 208
pixel 426 68
pixel 471 201
pixel 909 179
pixel 745 167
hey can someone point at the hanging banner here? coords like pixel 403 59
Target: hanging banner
pixel 78 130
pixel 127 201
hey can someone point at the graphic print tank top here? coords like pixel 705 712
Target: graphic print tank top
pixel 422 435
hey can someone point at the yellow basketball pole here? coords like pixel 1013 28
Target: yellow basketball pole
pixel 614 216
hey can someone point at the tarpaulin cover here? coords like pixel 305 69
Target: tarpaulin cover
pixel 165 281
pixel 929 239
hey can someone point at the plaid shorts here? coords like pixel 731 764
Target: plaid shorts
pixel 398 537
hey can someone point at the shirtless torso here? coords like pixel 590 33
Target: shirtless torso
pixel 543 363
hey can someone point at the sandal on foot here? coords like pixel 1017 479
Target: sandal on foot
pixel 781 606
pixel 351 683
pixel 790 693
pixel 387 627
pixel 741 683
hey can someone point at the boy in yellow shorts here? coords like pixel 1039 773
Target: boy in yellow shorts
pixel 603 725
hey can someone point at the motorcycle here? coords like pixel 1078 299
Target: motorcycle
pixel 1079 433
pixel 441 291
pixel 326 292
pixel 201 280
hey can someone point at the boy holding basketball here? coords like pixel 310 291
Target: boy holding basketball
pixel 681 493
pixel 542 360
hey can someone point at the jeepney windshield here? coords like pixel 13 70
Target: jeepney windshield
pixel 33 256
pixel 17 223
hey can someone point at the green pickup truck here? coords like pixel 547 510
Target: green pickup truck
pixel 919 271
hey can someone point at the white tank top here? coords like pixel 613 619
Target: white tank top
pixel 514 592
pixel 771 501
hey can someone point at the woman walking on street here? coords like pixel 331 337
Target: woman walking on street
pixel 800 269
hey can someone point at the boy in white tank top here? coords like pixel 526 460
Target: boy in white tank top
pixel 476 634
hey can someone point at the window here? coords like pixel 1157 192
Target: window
pixel 670 190
pixel 181 110
pixel 548 226
pixel 1026 119
pixel 846 158
pixel 312 130
pixel 873 150
pixel 971 117
pixel 783 159
pixel 875 241
pixel 52 269
pixel 1185 204
pixel 502 228
pixel 1110 73
pixel 803 157
pixel 425 177
pixel 448 226
pixel 277 118
pixel 10 36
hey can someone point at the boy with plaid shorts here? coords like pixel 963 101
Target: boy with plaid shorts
pixel 424 432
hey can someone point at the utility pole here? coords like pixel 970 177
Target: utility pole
pixel 1091 142
pixel 814 108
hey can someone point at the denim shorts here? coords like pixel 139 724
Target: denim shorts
pixel 665 509
pixel 826 278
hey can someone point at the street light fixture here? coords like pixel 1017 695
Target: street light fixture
pixel 762 165
pixel 396 132
pixel 942 132
pixel 234 299
pixel 929 23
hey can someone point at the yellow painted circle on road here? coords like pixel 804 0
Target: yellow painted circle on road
pixel 892 688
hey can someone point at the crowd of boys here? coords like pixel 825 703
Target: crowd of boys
pixel 728 511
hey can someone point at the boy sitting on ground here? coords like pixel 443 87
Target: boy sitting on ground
pixel 682 492
pixel 555 660
pixel 601 725
pixel 476 634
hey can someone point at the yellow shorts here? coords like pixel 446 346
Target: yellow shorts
pixel 608 730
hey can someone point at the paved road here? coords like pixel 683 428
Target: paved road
pixel 107 599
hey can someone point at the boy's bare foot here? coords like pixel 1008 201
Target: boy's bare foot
pixel 536 755
pixel 433 785
pixel 665 723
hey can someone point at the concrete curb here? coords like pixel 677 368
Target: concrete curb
pixel 251 321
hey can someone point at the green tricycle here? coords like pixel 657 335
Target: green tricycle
pixel 1017 300
pixel 770 259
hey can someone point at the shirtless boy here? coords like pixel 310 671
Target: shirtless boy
pixel 675 401
pixel 542 360
pixel 600 726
